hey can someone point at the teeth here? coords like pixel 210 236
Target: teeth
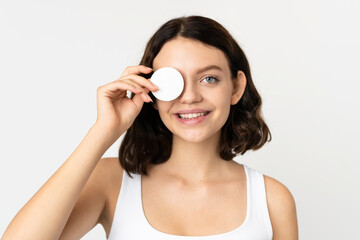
pixel 191 115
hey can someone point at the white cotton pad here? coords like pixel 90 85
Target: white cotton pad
pixel 170 83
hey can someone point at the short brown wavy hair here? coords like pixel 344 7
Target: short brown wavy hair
pixel 149 141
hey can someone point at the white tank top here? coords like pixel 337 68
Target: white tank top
pixel 130 223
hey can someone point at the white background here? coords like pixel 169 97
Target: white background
pixel 304 57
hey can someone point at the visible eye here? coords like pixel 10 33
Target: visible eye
pixel 210 79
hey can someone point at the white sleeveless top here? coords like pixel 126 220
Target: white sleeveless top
pixel 130 223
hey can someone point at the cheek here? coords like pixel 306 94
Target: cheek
pixel 221 98
pixel 163 108
pixel 222 102
pixel 225 111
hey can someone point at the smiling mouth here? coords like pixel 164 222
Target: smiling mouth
pixel 192 115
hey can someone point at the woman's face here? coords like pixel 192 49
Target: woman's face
pixel 208 89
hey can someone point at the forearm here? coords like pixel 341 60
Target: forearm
pixel 46 213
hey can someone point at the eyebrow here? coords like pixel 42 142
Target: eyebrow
pixel 209 68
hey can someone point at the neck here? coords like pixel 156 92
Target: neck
pixel 194 162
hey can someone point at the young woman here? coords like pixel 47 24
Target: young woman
pixel 175 177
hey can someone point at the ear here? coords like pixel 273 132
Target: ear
pixel 239 84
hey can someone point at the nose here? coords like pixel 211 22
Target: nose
pixel 190 94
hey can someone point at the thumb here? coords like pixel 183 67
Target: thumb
pixel 139 100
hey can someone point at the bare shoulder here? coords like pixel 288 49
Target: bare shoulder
pixel 110 167
pixel 94 202
pixel 107 174
pixel 112 172
pixel 282 209
pixel 110 176
pixel 278 194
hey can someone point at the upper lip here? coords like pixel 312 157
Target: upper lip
pixel 192 111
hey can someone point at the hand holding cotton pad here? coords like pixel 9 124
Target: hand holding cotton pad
pixel 170 83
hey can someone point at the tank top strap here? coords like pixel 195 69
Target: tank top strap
pixel 257 198
pixel 127 216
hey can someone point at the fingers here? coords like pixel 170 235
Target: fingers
pixel 139 82
pixel 130 81
pixel 139 99
pixel 117 89
pixel 136 70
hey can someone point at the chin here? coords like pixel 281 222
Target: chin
pixel 193 137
